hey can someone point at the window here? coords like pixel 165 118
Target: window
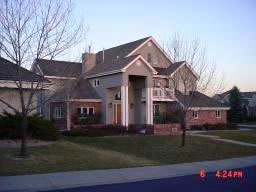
pixel 149 58
pixel 156 110
pixel 85 111
pixel 91 111
pixel 218 114
pixel 195 114
pixel 96 82
pixel 58 113
pixel 154 83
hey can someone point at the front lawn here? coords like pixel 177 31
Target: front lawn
pixel 244 136
pixel 80 153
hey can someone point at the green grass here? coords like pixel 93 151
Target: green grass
pixel 244 136
pixel 82 153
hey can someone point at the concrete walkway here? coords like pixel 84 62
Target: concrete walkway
pixel 63 180
pixel 218 138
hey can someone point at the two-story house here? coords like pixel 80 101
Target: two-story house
pixel 127 84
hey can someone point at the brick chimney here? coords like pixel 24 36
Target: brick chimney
pixel 88 61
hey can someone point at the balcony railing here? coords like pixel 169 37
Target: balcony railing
pixel 160 94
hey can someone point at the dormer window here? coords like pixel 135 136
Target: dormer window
pixel 149 59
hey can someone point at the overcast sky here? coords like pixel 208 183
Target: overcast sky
pixel 227 28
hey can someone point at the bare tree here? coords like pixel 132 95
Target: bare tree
pixel 197 74
pixel 31 30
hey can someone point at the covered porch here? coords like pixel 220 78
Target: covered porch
pixel 125 106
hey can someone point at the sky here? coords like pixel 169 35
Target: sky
pixel 227 28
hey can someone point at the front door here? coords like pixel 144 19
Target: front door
pixel 117 113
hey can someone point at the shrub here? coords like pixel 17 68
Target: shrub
pixel 196 127
pixel 38 128
pixel 87 119
pixel 90 131
pixel 218 126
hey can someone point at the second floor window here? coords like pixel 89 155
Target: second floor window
pixel 195 114
pixel 96 82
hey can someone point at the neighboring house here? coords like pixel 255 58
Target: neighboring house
pixel 248 101
pixel 9 92
pixel 126 84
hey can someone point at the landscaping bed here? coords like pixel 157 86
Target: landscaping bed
pixel 84 153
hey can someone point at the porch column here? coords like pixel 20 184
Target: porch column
pixel 124 106
pixel 149 106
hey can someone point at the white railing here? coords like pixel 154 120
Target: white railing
pixel 160 93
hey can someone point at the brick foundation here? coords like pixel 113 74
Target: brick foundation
pixel 167 129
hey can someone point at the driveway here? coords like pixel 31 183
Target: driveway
pixel 193 183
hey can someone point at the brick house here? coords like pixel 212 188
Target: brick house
pixel 127 84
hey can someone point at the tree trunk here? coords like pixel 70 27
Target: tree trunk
pixel 183 127
pixel 24 125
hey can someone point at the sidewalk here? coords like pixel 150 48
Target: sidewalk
pixel 63 180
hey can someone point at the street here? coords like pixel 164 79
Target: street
pixel 193 183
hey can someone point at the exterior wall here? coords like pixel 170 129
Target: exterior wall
pixel 75 105
pixel 106 82
pixel 157 55
pixel 184 74
pixel 206 116
pixel 12 97
pixel 167 129
pixel 62 122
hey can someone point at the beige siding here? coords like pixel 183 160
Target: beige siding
pixel 11 96
pixel 158 58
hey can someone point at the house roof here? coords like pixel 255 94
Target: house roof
pixel 248 94
pixel 59 68
pixel 197 99
pixel 9 72
pixel 115 58
pixel 120 51
pixel 81 90
pixel 169 70
pixel 116 64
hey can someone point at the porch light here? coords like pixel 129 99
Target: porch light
pixel 131 105
pixel 110 105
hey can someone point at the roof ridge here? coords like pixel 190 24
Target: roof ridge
pixel 59 61
pixel 145 38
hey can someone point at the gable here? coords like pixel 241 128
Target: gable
pixel 139 67
pixel 159 59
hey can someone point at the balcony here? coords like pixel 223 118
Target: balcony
pixel 160 94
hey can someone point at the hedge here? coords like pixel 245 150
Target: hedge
pixel 38 128
pixel 218 126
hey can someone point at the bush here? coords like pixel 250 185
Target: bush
pixel 218 126
pixel 87 120
pixel 90 131
pixel 38 128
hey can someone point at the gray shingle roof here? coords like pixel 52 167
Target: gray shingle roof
pixel 84 90
pixel 80 90
pixel 169 70
pixel 197 99
pixel 59 68
pixel 115 57
pixel 9 71
pixel 116 64
pixel 121 51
